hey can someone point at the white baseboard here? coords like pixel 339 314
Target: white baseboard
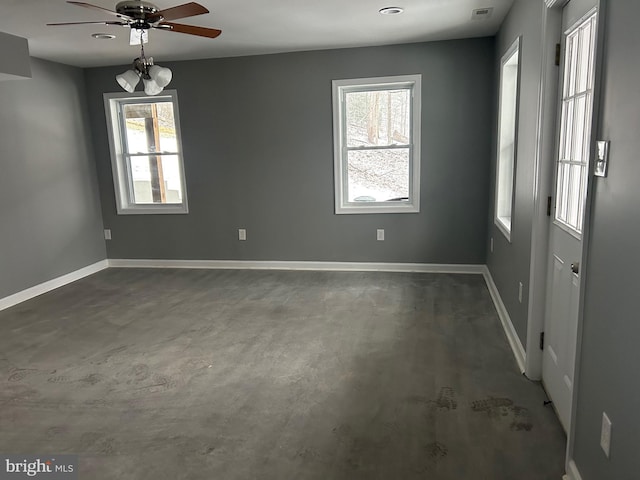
pixel 505 319
pixel 572 471
pixel 287 265
pixel 45 287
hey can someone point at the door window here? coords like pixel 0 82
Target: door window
pixel 575 121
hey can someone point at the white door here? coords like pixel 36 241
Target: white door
pixel 566 232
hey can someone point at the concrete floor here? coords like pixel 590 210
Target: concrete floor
pixel 205 374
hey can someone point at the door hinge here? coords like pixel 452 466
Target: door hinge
pixel 541 340
pixel 549 199
pixel 557 54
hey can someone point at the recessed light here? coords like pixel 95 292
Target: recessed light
pixel 391 10
pixel 103 36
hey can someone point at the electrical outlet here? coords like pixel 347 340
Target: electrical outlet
pixel 380 234
pixel 107 234
pixel 520 292
pixel 605 434
pixel 491 243
pixel 242 234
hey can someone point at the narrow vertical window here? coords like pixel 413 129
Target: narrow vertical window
pixel 377 144
pixel 575 121
pixel 146 153
pixel 507 138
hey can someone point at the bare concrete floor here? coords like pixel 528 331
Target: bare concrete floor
pixel 203 374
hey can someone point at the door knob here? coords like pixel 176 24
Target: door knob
pixel 575 268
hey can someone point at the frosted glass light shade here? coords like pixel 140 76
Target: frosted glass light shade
pixel 161 75
pixel 151 87
pixel 128 80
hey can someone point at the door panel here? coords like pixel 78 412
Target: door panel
pixel 565 235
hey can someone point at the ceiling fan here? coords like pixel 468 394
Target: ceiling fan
pixel 142 16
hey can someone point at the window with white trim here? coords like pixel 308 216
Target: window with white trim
pixel 146 153
pixel 377 144
pixel 575 120
pixel 507 137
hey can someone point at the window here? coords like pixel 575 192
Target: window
pixel 507 136
pixel 146 153
pixel 377 144
pixel 575 121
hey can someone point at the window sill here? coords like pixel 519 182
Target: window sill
pixel 365 209
pixel 154 210
pixel 504 225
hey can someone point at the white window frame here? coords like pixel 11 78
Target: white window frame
pixel 507 144
pixel 125 204
pixel 572 153
pixel 339 90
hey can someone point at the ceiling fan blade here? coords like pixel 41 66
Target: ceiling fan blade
pixel 88 23
pixel 190 29
pixel 105 10
pixel 190 9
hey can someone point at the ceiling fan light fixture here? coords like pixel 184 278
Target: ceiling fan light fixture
pixel 151 87
pixel 128 80
pixel 161 75
pixel 154 77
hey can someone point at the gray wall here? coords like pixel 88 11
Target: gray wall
pixel 510 261
pixel 608 377
pixel 258 148
pixel 50 221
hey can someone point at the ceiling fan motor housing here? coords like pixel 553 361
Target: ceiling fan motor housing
pixel 142 15
pixel 138 10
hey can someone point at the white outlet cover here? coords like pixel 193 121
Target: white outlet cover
pixel 380 234
pixel 107 234
pixel 242 234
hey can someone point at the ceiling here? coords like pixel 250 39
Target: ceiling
pixel 249 27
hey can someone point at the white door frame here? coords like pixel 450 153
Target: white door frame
pixel 544 171
pixel 543 174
